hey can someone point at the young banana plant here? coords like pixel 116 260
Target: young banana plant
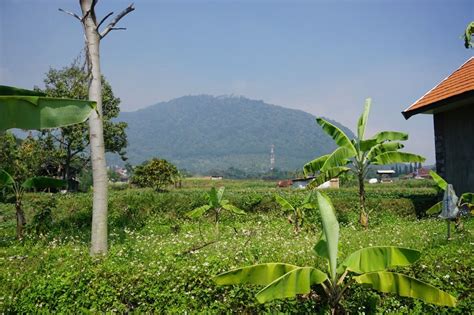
pixel 367 266
pixel 216 204
pixel 298 212
pixel 463 205
pixel 9 184
pixel 358 153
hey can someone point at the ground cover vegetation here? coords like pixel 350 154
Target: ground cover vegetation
pixel 151 265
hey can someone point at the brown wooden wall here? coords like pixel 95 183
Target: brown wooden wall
pixel 454 146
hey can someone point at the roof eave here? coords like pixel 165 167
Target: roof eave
pixel 435 107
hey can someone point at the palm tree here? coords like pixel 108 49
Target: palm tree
pixel 357 155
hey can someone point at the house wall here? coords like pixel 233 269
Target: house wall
pixel 454 146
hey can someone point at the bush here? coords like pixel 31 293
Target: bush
pixel 156 174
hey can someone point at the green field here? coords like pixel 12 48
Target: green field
pixel 155 262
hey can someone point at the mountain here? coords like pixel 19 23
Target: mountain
pixel 203 133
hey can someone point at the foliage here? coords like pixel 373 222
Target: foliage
pixel 9 185
pixel 22 158
pixel 70 142
pixel 468 35
pixel 369 265
pixel 464 204
pixel 206 133
pixel 216 204
pixel 465 201
pixel 360 152
pixel 143 273
pixel 25 109
pixel 156 173
pixel 297 218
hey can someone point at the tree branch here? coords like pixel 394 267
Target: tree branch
pixel 71 14
pixel 111 25
pixel 103 20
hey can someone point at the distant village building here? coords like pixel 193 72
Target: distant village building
pixel 385 176
pixel 301 183
pixel 451 103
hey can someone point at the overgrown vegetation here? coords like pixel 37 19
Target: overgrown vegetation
pixel 145 270
pixel 365 266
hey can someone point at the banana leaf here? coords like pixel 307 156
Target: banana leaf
pixel 379 258
pixel 321 247
pixel 396 157
pixel 338 157
pixel 327 175
pixel 467 198
pixel 382 148
pixel 439 180
pixel 363 120
pixel 390 136
pixel 336 134
pixel 233 209
pixel 285 205
pixel 27 109
pixel 213 198
pixel 366 145
pixel 198 212
pixel 435 209
pixel 315 165
pixel 6 179
pixel 261 274
pixel 330 229
pixel 402 285
pixel 297 281
pixel 220 193
pixel 41 182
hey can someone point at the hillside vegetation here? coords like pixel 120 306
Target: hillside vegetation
pixel 203 133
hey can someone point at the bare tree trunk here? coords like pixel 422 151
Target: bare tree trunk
pixel 96 132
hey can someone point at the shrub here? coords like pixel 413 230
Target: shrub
pixel 156 174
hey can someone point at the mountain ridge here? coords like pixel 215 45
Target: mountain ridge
pixel 205 132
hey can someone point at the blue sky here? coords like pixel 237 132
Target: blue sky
pixel 323 57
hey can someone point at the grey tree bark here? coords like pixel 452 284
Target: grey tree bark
pixel 96 132
pixel 93 36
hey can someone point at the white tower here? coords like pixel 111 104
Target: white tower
pixel 272 157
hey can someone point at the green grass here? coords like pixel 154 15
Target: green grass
pixel 151 265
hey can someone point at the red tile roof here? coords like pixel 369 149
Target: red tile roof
pixel 460 81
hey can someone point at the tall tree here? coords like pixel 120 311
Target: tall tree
pixel 72 141
pixel 93 36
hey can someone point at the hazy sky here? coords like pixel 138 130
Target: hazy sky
pixel 323 57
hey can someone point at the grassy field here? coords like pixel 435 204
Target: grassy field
pixel 156 263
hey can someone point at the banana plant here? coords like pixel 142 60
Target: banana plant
pixel 463 205
pixel 298 212
pixel 27 109
pixel 367 266
pixel 9 185
pixel 216 204
pixel 357 155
